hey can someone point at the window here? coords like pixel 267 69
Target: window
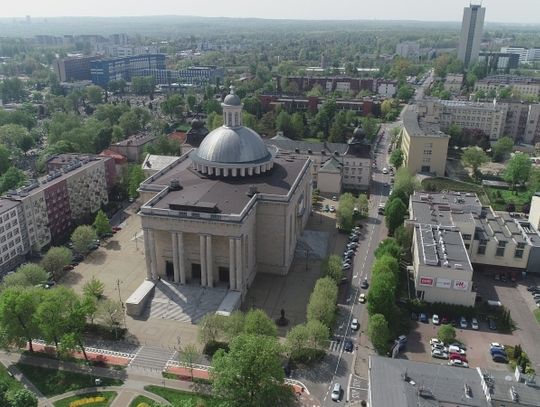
pixel 466 237
pixel 518 254
pixel 427 152
pixel 467 246
pixel 482 247
pixel 500 248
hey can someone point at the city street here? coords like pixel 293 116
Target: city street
pixel 338 365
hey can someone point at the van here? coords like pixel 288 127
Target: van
pixel 336 392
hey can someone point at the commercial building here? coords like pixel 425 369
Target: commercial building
pixel 74 69
pixel 108 69
pixel 424 146
pixel 472 27
pixel 223 212
pixel 45 210
pixel 405 383
pixel 133 147
pixel 336 166
pixel 520 85
pixel 408 49
pixel 195 75
pixel 454 234
pixel 498 61
pixel 123 50
pixel 525 54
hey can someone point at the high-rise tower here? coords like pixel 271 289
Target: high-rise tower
pixel 471 33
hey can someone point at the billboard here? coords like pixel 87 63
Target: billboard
pixel 461 285
pixel 443 283
pixel 426 281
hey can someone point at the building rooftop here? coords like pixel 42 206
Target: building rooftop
pixel 442 247
pixel 416 127
pixel 136 140
pixel 404 383
pixel 157 162
pixel 504 387
pixel 355 149
pixel 7 204
pixel 205 193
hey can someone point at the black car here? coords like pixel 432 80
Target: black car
pixel 533 288
pixel 348 346
pixel 499 358
pixel 77 258
pixel 364 284
pixel 491 324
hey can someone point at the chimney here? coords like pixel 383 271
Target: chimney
pixel 174 185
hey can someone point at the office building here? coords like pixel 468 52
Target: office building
pixel 472 28
pixel 408 49
pixel 526 55
pixel 195 75
pixel 423 144
pixel 74 69
pixel 108 69
pixel 454 234
pixel 212 218
pixel 498 61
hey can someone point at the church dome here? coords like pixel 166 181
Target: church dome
pixel 232 100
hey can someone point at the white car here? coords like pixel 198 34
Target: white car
pixel 440 347
pixel 456 349
pixel 474 324
pixel 458 363
pixel 436 341
pixel 362 298
pixel 463 323
pixel 496 345
pixel 346 266
pixel 439 354
pixel 435 319
pixel 332 208
pixel 385 170
pixel 355 325
pixel 336 392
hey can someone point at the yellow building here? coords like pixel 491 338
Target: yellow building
pixel 424 146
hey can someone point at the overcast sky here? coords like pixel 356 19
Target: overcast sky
pixel 515 11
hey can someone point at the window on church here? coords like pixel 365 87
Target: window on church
pixel 230 119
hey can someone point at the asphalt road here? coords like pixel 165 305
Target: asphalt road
pixel 338 365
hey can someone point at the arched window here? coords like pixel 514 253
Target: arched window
pixel 230 120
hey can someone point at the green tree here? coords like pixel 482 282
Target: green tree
pixel 117 86
pixel 396 158
pixel 12 134
pixel 381 295
pixel 189 356
pixel 505 93
pixel 129 122
pixel 22 398
pixel 233 325
pixel 283 123
pixel 250 374
pixel 297 339
pixel 11 179
pixel 455 132
pixel 191 101
pixel 502 148
pixel 518 170
pixel 386 107
pixel 474 157
pixel 258 323
pixel 338 129
pixel 173 106
pixel 405 92
pixel 332 268
pixel 211 328
pixel 318 334
pixel 136 176
pixel 94 94
pixel 297 125
pixel 143 85
pixel 322 301
pixel 51 314
pixel 102 224
pixel 370 126
pixel 27 275
pixel 54 261
pixel 17 309
pixel 82 238
pixel 404 184
pixel 389 246
pixel 345 212
pixel 394 214
pixel 446 333
pixel 94 288
pixel 110 313
pixel 379 333
pixel 5 162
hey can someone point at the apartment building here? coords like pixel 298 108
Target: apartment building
pixel 408 49
pixel 520 85
pixel 525 54
pixel 472 28
pixel 387 88
pixel 455 234
pixel 14 242
pixel 424 146
pixel 453 82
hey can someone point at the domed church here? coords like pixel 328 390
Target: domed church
pixel 227 210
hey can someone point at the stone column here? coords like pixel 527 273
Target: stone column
pixel 181 259
pixel 153 257
pixel 147 256
pixel 174 239
pixel 209 262
pixel 239 266
pixel 202 254
pixel 232 263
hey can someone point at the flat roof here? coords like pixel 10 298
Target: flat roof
pixel 136 140
pixel 504 382
pixel 416 127
pixel 222 195
pixel 441 247
pixel 7 204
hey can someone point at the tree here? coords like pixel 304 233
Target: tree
pixel 396 158
pixel 318 334
pixel 173 106
pixel 27 275
pixel 11 179
pixel 405 92
pixel 379 333
pixel 455 132
pixel 404 184
pixel 17 309
pixel 111 313
pixel 233 325
pixel 370 126
pixel 332 268
pixel 297 125
pixel 283 123
pixel 258 323
pixel 394 214
pixel 102 224
pixel 518 170
pixel 381 295
pixel 22 398
pixel 79 310
pixel 345 213
pixel 5 162
pixel 82 238
pixel 403 237
pixel 117 86
pixel 192 100
pixel 389 247
pixel 297 339
pixel 12 134
pixel 94 288
pixel 136 176
pixel 474 157
pixel 338 129
pixel 52 313
pixel 54 261
pixel 322 301
pixel 143 85
pixel 94 94
pixel 502 148
pixel 446 333
pixel 211 328
pixel 386 107
pixel 129 122
pixel 250 374
pixel 189 356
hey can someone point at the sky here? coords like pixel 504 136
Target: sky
pixel 509 11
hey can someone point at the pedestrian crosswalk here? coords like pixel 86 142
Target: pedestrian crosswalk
pixel 336 346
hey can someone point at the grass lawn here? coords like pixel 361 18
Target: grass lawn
pixel 10 382
pixel 52 382
pixel 141 399
pixel 177 397
pixel 537 315
pixel 442 184
pixel 501 197
pixel 108 395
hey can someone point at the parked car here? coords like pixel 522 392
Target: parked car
pixel 364 284
pixel 458 363
pixel 474 324
pixel 68 267
pixel 491 324
pixel 332 208
pixel 348 253
pixel 423 318
pixel 336 392
pixel 77 257
pixel 352 245
pixel 456 349
pixel 116 228
pixel 504 279
pixel 444 320
pixel 497 351
pixel 348 347
pixel 435 319
pixel 499 358
pixel 355 325
pixel 439 347
pixel 346 266
pixel 532 288
pixel 402 339
pixel 454 355
pixel 362 298
pixel 439 354
pixel 354 239
pixel 496 345
pixel 497 277
pixel 436 341
pixel 463 323
pixel 385 170
pixel 327 208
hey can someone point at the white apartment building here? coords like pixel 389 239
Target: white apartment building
pixel 408 49
pixel 13 236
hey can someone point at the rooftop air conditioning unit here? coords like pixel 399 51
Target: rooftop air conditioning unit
pixel 458 266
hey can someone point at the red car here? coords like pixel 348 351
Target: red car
pixel 454 355
pixel 116 228
pixel 444 320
